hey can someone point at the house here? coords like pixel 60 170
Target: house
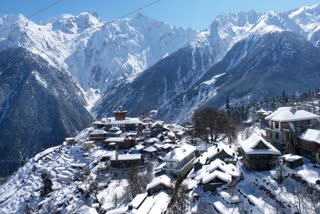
pixel 70 140
pixel 285 126
pixel 123 122
pixel 150 151
pixel 98 135
pixel 258 154
pixel 224 152
pixel 223 167
pixel 98 125
pixel 137 201
pixel 309 145
pixel 216 165
pixel 119 142
pixel 215 179
pixel 125 160
pixel 179 161
pixel 114 132
pixel 292 161
pixel 142 203
pixel 88 144
pixel 160 183
pixel 156 128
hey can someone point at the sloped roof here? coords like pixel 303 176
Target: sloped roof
pixel 163 179
pixel 216 174
pixel 137 201
pixel 213 151
pixel 114 139
pixel 98 132
pixel 180 153
pixel 311 135
pixel 250 144
pixel 222 166
pixel 288 114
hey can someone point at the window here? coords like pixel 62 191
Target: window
pixel 276 124
pixel 277 135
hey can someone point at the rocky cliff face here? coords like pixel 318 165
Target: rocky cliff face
pixel 39 106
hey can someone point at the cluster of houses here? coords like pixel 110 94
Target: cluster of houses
pixel 289 134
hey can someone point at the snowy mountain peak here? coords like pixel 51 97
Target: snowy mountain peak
pixel 312 9
pixel 76 24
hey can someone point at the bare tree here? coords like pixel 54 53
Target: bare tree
pixel 213 123
pixel 137 182
pixel 180 203
pixel 280 170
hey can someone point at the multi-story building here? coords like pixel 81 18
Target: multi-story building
pixel 285 126
pixel 258 154
pixel 180 161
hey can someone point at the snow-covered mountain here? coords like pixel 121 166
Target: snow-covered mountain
pixel 97 53
pixel 184 72
pixel 123 49
pixel 39 106
pixel 90 54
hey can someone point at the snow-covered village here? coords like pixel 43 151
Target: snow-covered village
pixel 124 164
pixel 159 107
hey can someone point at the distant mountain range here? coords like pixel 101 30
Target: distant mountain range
pixel 242 56
pixel 75 64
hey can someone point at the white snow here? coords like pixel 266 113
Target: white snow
pixel 311 135
pixel 249 146
pixel 213 79
pixel 162 179
pixel 41 81
pixel 290 114
pixel 291 157
pixel 98 132
pixel 136 202
pixel 216 174
pixel 126 157
pixel 178 154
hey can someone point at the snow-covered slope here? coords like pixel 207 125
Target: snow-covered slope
pixel 54 41
pixel 97 53
pixel 123 49
pixel 39 106
pixel 169 80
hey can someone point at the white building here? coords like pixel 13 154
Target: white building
pixel 179 161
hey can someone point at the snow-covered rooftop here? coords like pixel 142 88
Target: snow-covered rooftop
pixel 114 139
pixel 150 149
pixel 311 135
pixel 250 144
pixel 222 166
pixel 163 179
pixel 98 132
pixel 213 151
pixel 216 174
pixel 128 120
pixel 291 157
pixel 162 200
pixel 289 114
pixel 137 201
pixel 180 153
pixel 126 157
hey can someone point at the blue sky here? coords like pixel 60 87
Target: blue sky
pixel 197 14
